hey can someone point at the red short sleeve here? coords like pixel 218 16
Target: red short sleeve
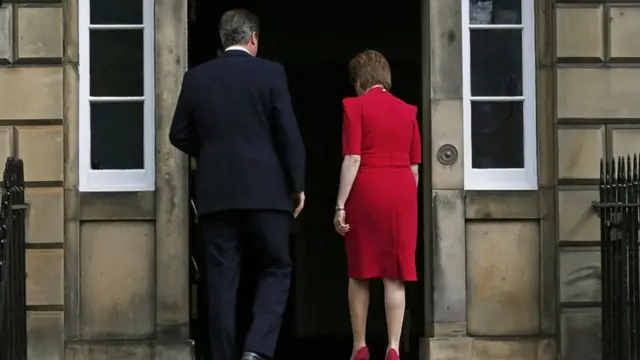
pixel 351 127
pixel 415 155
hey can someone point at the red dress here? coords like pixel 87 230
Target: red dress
pixel 382 207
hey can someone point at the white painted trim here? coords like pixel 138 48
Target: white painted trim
pixel 496 98
pixel 115 99
pixel 115 27
pixel 503 179
pixel 496 26
pixel 116 180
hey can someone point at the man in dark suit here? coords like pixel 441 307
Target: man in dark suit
pixel 234 115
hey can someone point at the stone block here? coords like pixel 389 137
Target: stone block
pixel 120 257
pixel 625 142
pixel 35 93
pixel 6 143
pixel 45 335
pixel 624 31
pixel 39 32
pixel 449 293
pixel 450 348
pixel 548 261
pixel 503 278
pixel 580 275
pixel 579 152
pixel 174 351
pixel 41 148
pixel 579 32
pixel 547 349
pixel 117 205
pixel 524 349
pixel 71 127
pixel 598 93
pixel 6 34
pixel 449 329
pixel 46 215
pixel 124 350
pixel 110 351
pixel 464 348
pixel 446 49
pixel 545 101
pixel 581 334
pixel 502 205
pixel 45 277
pixel 446 128
pixel 576 219
pixel 70 31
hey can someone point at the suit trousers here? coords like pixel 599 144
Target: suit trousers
pixel 227 237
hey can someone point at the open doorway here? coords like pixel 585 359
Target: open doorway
pixel 315 42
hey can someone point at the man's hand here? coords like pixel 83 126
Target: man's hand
pixel 298 202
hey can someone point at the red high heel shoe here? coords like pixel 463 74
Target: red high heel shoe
pixel 392 354
pixel 361 354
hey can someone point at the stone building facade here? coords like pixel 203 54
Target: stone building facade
pixel 514 264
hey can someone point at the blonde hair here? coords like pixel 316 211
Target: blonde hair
pixel 370 68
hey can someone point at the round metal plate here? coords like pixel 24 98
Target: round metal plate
pixel 447 154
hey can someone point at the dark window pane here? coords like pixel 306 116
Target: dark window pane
pixel 487 12
pixel 117 63
pixel 117 140
pixel 496 62
pixel 497 135
pixel 120 12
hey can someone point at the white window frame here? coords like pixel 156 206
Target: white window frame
pixel 503 179
pixel 116 180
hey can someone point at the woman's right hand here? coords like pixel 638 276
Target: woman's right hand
pixel 339 221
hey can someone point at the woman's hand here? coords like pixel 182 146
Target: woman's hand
pixel 339 222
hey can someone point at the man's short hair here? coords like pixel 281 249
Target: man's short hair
pixel 236 27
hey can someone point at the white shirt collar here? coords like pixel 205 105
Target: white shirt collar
pixel 236 47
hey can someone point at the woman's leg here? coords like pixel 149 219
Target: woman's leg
pixel 394 303
pixel 358 309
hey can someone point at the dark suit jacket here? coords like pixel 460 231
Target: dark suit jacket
pixel 234 114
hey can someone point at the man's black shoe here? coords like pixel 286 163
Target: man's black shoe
pixel 247 355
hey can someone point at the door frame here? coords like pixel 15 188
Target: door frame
pixel 425 323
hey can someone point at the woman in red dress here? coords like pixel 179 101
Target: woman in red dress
pixel 377 205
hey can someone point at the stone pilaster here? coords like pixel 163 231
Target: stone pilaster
pixel 448 247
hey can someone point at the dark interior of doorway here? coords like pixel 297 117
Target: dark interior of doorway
pixel 314 41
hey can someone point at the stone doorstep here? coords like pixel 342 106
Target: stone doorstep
pixel 466 348
pixel 130 350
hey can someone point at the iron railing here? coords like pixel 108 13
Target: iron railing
pixel 619 210
pixel 13 313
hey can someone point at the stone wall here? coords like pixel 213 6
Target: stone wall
pixel 127 254
pixel 93 259
pixel 494 253
pixel 598 115
pixel 31 127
